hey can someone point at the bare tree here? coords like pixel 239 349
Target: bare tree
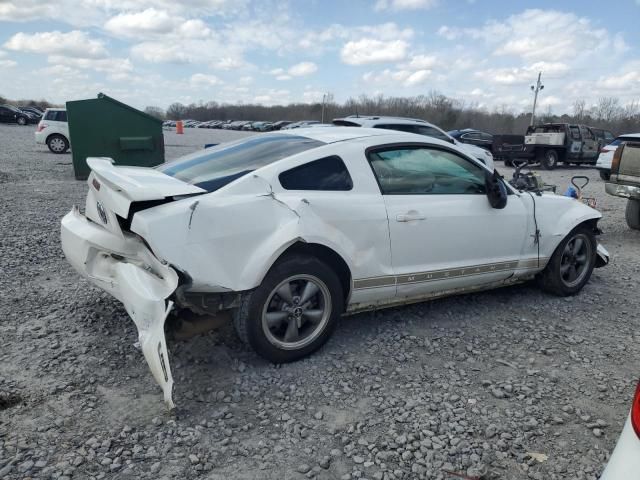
pixel 155 112
pixel 579 108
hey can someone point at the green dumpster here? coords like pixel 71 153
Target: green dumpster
pixel 105 127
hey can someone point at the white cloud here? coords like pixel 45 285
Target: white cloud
pixel 541 35
pixel 284 77
pixel 8 63
pixel 149 21
pixel 92 12
pixel 422 62
pixel 524 75
pixel 302 69
pixel 72 44
pixel 395 78
pixel 112 66
pixel 204 80
pixel 405 4
pixel 366 51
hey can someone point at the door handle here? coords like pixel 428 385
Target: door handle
pixel 408 217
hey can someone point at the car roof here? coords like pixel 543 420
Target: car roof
pixel 377 119
pixel 632 135
pixel 334 134
pixel 56 108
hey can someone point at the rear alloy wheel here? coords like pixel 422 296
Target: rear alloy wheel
pixel 632 213
pixel 21 121
pixel 293 312
pixel 57 144
pixel 571 265
pixel 549 160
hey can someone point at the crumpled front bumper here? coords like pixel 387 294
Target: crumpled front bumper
pixel 128 270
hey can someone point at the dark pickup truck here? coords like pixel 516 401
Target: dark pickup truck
pixel 551 143
pixel 625 180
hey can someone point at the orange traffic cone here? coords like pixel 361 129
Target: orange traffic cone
pixel 179 127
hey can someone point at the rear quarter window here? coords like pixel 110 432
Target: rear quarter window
pixel 328 174
pixel 56 115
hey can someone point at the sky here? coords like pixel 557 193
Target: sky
pixel 486 53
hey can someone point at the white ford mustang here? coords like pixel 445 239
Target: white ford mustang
pixel 289 230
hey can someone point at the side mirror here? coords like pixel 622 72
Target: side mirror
pixel 496 190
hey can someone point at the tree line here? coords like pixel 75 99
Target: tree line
pixel 446 112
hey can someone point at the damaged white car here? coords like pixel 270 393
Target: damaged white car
pixel 289 230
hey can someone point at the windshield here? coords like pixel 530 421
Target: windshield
pixel 216 167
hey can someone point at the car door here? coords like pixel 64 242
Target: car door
pixel 4 115
pixel 444 234
pixel 589 144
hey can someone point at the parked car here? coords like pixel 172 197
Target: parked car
pixel 34 112
pixel 603 164
pixel 624 180
pixel 551 143
pixel 421 127
pixel 624 462
pixel 474 137
pixel 53 130
pixel 280 124
pixel 11 114
pixel 324 221
pixel 248 126
pixel 604 137
pixel 303 123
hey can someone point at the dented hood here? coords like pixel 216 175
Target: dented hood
pixel 125 185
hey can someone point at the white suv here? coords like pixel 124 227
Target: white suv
pixel 421 127
pixel 53 130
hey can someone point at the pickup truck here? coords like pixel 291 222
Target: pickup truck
pixel 624 180
pixel 551 143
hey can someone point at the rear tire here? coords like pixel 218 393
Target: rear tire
pixel 21 121
pixel 572 263
pixel 293 312
pixel 57 143
pixel 604 175
pixel 549 160
pixel 632 214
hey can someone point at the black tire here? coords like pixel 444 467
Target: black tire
pixel 21 121
pixel 549 159
pixel 250 319
pixel 57 143
pixel 604 175
pixel 552 278
pixel 632 214
pixel 508 162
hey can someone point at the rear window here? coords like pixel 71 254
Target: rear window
pixel 329 174
pixel 216 167
pixel 56 115
pixel 619 140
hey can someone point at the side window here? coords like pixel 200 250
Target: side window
pixel 62 116
pixel 575 133
pixel 486 137
pixel 423 170
pixel 608 136
pixel 398 127
pixel 329 173
pixel 432 132
pixel 586 133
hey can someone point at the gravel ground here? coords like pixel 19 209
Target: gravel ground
pixel 508 384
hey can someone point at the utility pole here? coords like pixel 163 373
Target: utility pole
pixel 536 89
pixel 324 97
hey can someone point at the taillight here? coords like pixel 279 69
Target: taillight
pixel 635 411
pixel 617 155
pixel 41 126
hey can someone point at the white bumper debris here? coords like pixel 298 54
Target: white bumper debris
pixel 126 268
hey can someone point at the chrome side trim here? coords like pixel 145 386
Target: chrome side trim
pixel 444 274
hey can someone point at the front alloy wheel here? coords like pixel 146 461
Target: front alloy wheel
pixel 570 266
pixel 575 261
